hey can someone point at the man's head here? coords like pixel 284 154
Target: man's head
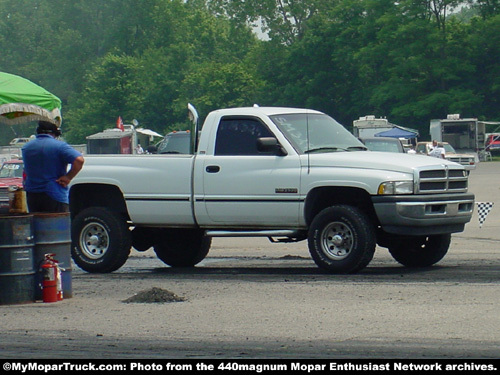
pixel 434 143
pixel 45 127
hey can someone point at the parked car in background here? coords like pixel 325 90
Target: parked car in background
pixel 493 142
pixel 19 142
pixel 467 160
pixel 385 144
pixel 11 173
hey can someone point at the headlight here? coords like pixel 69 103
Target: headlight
pixel 395 187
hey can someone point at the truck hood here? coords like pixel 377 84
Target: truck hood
pixel 396 162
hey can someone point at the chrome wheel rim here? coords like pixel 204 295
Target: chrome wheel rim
pixel 94 241
pixel 337 241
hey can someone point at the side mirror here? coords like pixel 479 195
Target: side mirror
pixel 270 145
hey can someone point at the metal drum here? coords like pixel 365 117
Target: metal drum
pixel 53 235
pixel 17 269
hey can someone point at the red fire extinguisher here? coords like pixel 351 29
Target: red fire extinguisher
pixel 51 279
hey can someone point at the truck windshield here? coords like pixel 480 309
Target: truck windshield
pixel 316 133
pixel 449 148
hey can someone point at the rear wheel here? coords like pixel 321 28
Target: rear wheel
pixel 420 251
pixel 144 238
pixel 182 247
pixel 342 239
pixel 101 240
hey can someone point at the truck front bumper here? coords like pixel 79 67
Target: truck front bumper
pixel 424 214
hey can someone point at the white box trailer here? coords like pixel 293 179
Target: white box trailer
pixel 368 126
pixel 466 135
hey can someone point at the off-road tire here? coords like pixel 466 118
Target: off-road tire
pixel 420 251
pixel 341 239
pixel 182 247
pixel 101 240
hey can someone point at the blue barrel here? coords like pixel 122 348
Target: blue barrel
pixel 52 233
pixel 17 267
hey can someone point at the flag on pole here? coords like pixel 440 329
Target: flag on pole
pixel 483 209
pixel 119 124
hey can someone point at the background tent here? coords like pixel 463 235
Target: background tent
pixel 398 132
pixel 23 101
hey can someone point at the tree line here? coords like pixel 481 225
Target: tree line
pixel 408 60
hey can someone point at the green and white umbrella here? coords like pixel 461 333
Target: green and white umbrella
pixel 23 101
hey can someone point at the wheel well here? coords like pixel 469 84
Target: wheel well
pixel 97 195
pixel 324 197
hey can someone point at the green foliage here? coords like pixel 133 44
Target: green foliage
pixel 284 21
pixel 112 90
pixel 213 85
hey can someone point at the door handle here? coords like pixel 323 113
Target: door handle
pixel 212 168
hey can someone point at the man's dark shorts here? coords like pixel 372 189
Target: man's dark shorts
pixel 41 202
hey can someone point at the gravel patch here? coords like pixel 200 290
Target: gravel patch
pixel 154 295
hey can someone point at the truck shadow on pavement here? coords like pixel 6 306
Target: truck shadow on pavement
pixel 290 269
pixel 396 273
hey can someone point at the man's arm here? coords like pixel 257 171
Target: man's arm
pixel 76 167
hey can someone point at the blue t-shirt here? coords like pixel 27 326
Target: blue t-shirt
pixel 45 160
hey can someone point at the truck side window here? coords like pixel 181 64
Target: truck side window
pixel 239 136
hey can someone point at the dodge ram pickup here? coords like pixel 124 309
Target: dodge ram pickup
pixel 284 173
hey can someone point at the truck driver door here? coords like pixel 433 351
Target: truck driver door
pixel 245 187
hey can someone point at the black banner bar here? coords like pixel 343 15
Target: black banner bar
pixel 249 366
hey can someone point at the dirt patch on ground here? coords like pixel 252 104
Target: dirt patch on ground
pixel 293 257
pixel 154 295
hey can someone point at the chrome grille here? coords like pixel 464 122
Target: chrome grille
pixel 442 180
pixel 462 160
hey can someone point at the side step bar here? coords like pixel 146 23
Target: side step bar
pixel 290 235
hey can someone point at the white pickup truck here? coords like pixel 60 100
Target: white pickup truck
pixel 283 173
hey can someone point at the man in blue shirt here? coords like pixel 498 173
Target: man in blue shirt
pixel 46 161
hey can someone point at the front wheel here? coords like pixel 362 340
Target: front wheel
pixel 420 251
pixel 342 239
pixel 101 240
